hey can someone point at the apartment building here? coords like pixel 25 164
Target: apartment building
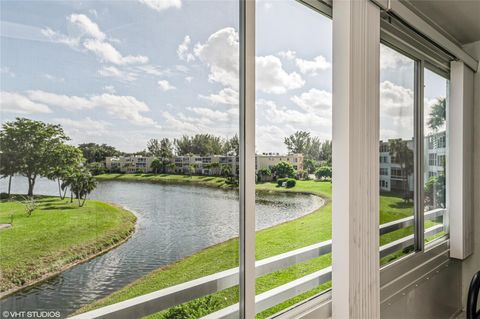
pixel 393 177
pixel 201 165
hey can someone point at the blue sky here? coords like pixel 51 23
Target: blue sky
pixel 122 72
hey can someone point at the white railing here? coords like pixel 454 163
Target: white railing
pixel 168 297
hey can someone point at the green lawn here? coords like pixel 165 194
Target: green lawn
pixel 310 229
pixel 57 234
pixel 168 178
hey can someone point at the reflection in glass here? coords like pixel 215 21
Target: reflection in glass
pixel 435 147
pixel 396 144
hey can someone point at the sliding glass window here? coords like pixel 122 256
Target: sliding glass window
pixel 435 154
pixel 120 150
pixel 293 154
pixel 397 153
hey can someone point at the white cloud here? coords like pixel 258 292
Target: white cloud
pixel 272 78
pixel 109 89
pixel 53 78
pixel 83 127
pixel 107 53
pixel 396 111
pixel 189 79
pixel 11 102
pixel 160 5
pixel 165 85
pixel 273 113
pixel 86 26
pixel 314 100
pixel 87 36
pixel 183 50
pixel 288 55
pixel 267 5
pixel 313 67
pixel 221 53
pixel 57 37
pixel 114 72
pixel 6 70
pixel 213 116
pixel 225 96
pixel 391 59
pixel 64 101
pixel 119 106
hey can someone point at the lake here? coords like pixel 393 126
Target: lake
pixel 174 221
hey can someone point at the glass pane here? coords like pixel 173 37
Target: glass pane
pixel 435 152
pixel 293 143
pixel 144 96
pixel 397 74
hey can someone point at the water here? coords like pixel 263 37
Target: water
pixel 174 221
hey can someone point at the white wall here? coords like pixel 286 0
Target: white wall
pixel 472 264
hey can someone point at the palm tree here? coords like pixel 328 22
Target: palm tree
pixel 438 114
pixel 156 165
pixel 404 156
pixel 81 184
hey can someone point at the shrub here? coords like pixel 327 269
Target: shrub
pixel 4 196
pixel 280 181
pixel 194 309
pixel 324 172
pixel 291 182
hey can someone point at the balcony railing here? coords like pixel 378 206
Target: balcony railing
pixel 168 297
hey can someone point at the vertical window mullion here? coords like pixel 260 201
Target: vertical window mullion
pixel 247 158
pixel 419 157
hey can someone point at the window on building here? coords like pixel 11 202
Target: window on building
pixel 293 116
pixel 435 124
pixel 397 74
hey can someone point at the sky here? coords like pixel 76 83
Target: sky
pixel 122 72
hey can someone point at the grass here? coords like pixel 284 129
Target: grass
pixel 212 181
pixel 57 235
pixel 307 230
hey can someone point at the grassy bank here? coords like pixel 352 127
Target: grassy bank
pixel 212 181
pixel 57 235
pixel 310 229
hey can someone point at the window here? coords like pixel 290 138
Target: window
pixel 397 74
pixel 435 124
pixel 294 127
pixel 137 87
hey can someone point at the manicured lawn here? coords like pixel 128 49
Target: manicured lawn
pixel 168 178
pixel 58 234
pixel 310 229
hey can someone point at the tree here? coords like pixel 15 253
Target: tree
pixel 64 160
pixel 323 172
pixel 96 168
pixel 435 192
pixel 32 142
pixel 310 147
pixel 232 146
pixel 403 155
pixel 438 114
pixel 298 143
pixel 264 174
pixel 156 165
pixel 199 144
pixel 227 171
pixel 191 169
pixel 310 165
pixel 8 166
pixel 93 152
pixel 81 183
pixel 283 169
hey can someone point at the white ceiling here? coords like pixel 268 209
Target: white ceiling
pixel 459 18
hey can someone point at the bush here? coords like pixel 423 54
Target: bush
pixel 3 196
pixel 194 309
pixel 324 172
pixel 291 182
pixel 280 181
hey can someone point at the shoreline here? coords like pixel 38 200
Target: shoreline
pixel 49 275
